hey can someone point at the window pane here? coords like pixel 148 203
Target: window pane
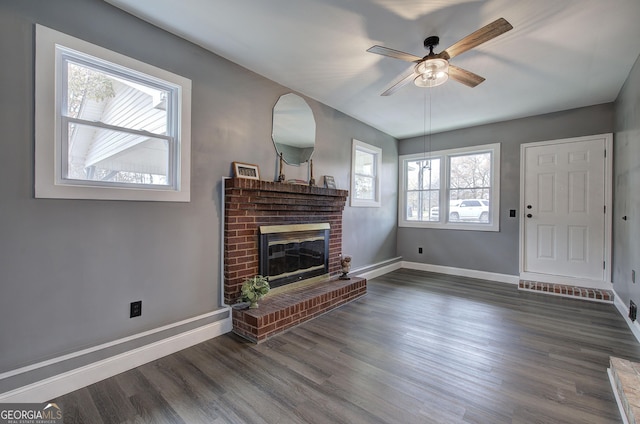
pixel 98 96
pixel 423 205
pixel 98 154
pixel 470 171
pixel 423 174
pixel 433 206
pixel 364 188
pixel 365 163
pixel 470 188
pixel 433 179
pixel 413 174
pixel 413 206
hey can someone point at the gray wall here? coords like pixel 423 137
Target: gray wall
pixel 69 268
pixel 494 251
pixel 626 193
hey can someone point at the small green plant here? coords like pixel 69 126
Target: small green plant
pixel 254 289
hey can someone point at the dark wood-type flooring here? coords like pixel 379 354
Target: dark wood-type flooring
pixel 419 348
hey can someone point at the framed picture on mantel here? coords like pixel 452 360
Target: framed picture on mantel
pixel 246 170
pixel 329 182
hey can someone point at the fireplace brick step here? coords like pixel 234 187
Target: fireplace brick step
pixel 599 295
pixel 625 382
pixel 281 311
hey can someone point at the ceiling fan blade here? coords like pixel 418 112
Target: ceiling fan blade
pixel 397 86
pixel 465 77
pixel 484 34
pixel 396 54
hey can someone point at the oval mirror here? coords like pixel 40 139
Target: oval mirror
pixel 294 129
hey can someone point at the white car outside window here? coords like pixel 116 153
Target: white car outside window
pixel 470 210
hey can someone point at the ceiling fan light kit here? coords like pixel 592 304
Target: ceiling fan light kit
pixel 434 69
pixel 431 73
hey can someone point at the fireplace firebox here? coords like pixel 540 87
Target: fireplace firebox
pixel 290 253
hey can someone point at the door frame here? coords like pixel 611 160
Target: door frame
pixel 608 198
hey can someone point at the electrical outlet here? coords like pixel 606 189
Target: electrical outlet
pixel 633 310
pixel 420 250
pixel 512 213
pixel 136 309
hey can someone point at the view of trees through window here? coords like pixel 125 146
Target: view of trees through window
pixel 470 176
pixel 86 83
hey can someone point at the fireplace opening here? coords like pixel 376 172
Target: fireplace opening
pixel 290 253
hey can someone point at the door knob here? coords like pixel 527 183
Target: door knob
pixel 529 215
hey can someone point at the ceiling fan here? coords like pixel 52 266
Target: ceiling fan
pixel 435 69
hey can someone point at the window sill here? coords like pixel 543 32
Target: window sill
pixel 456 226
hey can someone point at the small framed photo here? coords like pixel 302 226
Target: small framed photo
pixel 246 170
pixel 329 182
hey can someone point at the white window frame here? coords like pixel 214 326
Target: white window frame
pixel 376 152
pixel 49 142
pixel 445 156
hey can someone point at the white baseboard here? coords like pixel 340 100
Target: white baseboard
pixel 78 378
pixel 624 312
pixel 379 269
pixel 471 273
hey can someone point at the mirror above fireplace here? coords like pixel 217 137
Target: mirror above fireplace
pixel 294 129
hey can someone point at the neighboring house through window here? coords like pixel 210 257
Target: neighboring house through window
pixel 456 189
pixel 108 126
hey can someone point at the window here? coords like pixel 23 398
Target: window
pixel 366 162
pixel 423 189
pixel 456 189
pixel 108 126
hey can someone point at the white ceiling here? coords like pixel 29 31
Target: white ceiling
pixel 561 54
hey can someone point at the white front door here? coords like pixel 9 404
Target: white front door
pixel 564 224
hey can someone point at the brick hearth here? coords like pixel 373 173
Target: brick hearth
pixel 250 204
pixel 599 295
pixel 285 310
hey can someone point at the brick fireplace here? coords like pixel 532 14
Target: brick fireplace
pixel 252 204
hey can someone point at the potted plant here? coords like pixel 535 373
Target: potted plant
pixel 254 289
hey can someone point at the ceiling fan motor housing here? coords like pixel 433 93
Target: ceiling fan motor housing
pixel 431 42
